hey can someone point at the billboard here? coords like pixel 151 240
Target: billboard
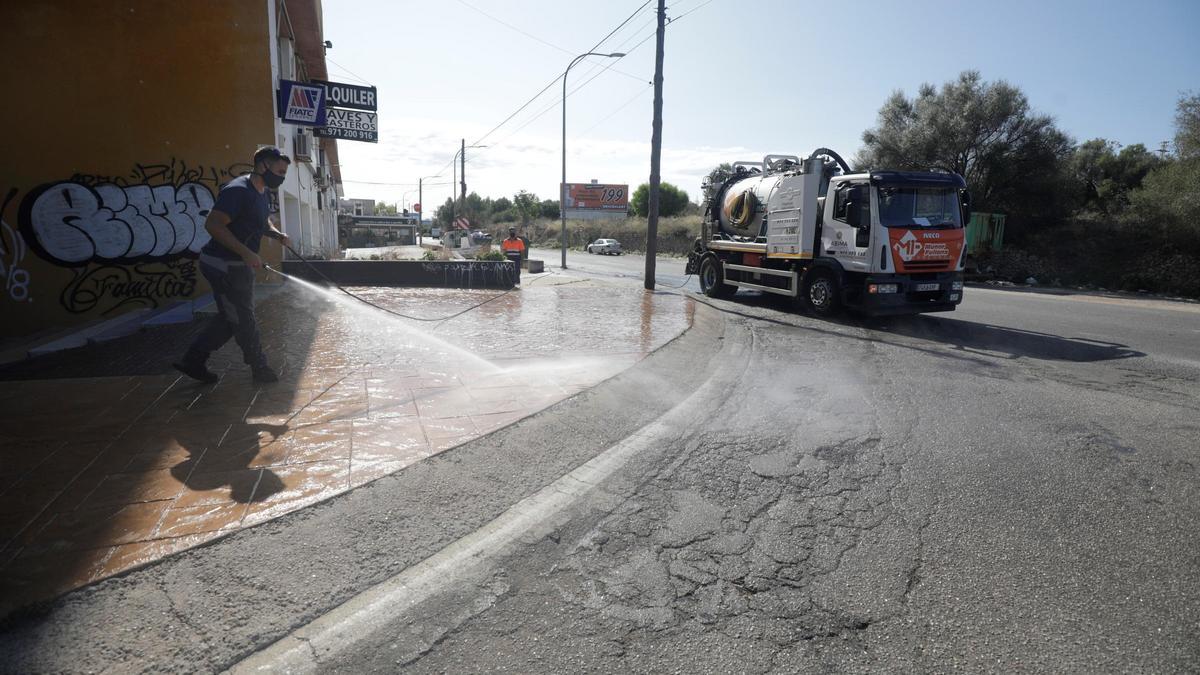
pixel 597 197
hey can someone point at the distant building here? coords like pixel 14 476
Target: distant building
pixel 364 231
pixel 358 207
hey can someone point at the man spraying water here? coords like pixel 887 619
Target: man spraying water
pixel 237 223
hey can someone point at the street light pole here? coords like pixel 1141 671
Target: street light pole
pixel 421 203
pixel 562 187
pixel 454 177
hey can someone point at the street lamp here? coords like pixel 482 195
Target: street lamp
pixel 562 187
pixel 421 204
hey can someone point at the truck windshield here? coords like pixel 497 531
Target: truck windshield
pixel 919 207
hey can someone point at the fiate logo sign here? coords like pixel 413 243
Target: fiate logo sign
pixel 301 103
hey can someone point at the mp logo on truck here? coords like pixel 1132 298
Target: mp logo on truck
pixel 924 250
pixel 908 247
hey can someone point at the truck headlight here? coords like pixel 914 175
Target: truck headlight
pixel 954 297
pixel 883 288
pixel 956 285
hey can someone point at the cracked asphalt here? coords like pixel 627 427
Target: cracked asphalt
pixel 862 501
pixel 983 491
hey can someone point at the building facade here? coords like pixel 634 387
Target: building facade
pixel 133 117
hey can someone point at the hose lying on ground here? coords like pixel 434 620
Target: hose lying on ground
pixel 376 306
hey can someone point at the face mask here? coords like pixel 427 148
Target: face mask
pixel 272 179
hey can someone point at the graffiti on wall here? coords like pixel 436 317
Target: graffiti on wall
pixel 129 240
pixel 12 252
pixel 74 224
pixel 174 171
pixel 112 288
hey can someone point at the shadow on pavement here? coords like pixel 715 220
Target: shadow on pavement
pixel 109 459
pixel 968 338
pixel 1013 343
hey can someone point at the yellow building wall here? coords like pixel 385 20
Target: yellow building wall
pixel 121 121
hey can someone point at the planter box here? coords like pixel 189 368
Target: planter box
pixel 405 273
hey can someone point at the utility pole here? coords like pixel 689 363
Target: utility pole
pixel 420 205
pixel 463 171
pixel 655 149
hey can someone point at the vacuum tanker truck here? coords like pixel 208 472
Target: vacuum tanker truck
pixel 876 242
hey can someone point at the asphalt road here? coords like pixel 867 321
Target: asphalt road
pixel 1012 486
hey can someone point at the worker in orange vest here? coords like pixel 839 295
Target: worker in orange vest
pixel 514 250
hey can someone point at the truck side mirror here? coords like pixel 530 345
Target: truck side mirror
pixel 966 207
pixel 854 214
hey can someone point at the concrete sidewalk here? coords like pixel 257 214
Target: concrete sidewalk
pixel 111 460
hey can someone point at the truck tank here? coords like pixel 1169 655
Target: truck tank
pixel 738 204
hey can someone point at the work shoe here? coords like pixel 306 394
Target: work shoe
pixel 196 371
pixel 264 375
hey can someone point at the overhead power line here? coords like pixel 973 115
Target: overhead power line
pixel 347 71
pixel 368 182
pixel 535 38
pixel 581 85
pixel 550 84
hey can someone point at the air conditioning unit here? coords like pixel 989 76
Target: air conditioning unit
pixel 303 146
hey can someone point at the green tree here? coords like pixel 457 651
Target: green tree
pixel 1012 158
pixel 671 200
pixel 1187 127
pixel 1106 176
pixel 1169 201
pixel 527 206
pixel 444 215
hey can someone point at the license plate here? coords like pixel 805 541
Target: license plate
pixel 928 287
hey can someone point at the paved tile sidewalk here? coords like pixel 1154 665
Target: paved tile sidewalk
pixel 102 474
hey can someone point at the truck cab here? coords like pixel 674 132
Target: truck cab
pixel 897 240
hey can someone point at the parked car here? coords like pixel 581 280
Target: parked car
pixel 609 246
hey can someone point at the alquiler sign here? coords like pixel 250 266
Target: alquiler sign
pixel 352 96
pixel 350 112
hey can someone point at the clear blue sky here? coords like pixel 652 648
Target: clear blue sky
pixel 742 78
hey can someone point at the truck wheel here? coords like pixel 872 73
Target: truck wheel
pixel 712 279
pixel 821 292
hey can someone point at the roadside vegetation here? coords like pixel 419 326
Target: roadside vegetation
pixel 1094 213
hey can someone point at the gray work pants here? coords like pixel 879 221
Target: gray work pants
pixel 233 290
pixel 514 257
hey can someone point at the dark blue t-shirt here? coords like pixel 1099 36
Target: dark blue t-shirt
pixel 247 209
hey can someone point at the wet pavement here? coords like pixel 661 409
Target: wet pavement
pixel 101 473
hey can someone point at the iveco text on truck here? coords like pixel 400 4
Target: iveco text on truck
pixel 877 242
